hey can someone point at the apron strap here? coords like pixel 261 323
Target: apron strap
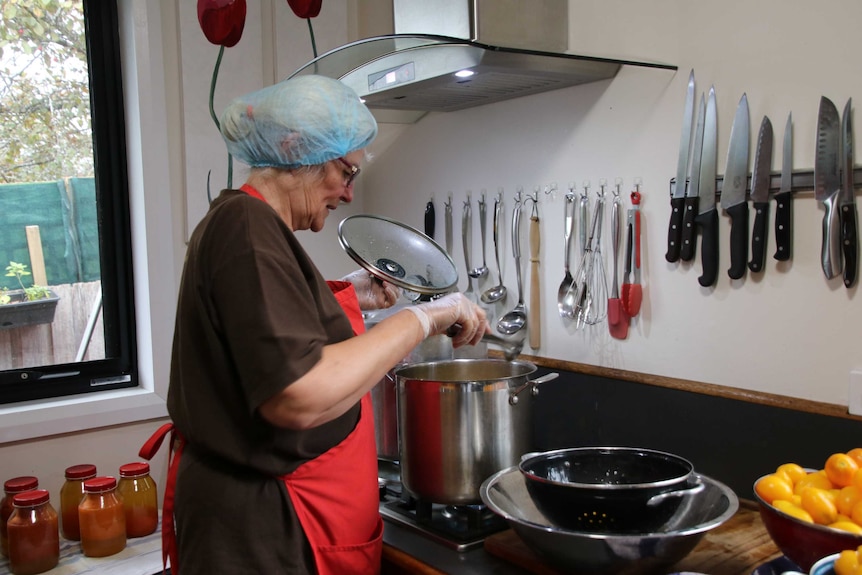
pixel 169 533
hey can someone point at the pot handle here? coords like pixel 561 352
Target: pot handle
pixel 697 488
pixel 533 384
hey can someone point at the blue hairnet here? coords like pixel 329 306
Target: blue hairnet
pixel 302 121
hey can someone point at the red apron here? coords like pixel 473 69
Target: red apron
pixel 335 495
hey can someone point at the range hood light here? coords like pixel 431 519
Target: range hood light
pixel 464 73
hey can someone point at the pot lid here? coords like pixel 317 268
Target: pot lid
pixel 397 253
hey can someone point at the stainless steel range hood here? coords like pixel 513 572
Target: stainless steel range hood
pixel 449 55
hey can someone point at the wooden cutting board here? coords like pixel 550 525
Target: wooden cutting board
pixel 735 548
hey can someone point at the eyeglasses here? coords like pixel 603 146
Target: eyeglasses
pixel 352 172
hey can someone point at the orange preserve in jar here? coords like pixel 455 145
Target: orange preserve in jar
pixel 10 488
pixel 70 496
pixel 140 499
pixel 101 518
pixel 34 536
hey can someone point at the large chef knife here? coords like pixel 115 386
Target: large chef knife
pixel 784 197
pixel 430 220
pixel 707 215
pixel 689 229
pixel 733 199
pixel 677 200
pixel 827 182
pixel 760 194
pixel 847 199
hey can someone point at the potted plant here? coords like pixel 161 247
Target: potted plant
pixel 26 306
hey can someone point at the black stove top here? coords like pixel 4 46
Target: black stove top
pixel 458 527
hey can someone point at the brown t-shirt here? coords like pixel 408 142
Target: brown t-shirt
pixel 253 316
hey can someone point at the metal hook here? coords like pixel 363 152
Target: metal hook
pixel 601 191
pixel 448 203
pixel 519 192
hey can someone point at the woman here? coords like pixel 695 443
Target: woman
pixel 269 387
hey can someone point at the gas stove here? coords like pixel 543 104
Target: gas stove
pixel 457 527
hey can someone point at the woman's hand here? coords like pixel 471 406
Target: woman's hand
pixel 372 292
pixel 438 316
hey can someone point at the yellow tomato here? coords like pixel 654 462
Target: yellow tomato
pixel 856 513
pixel 847 526
pixel 793 510
pixel 847 563
pixel 847 498
pixel 857 480
pixel 791 471
pixel 772 487
pixel 816 479
pixel 818 503
pixel 840 469
pixel 856 454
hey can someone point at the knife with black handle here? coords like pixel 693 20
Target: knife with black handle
pixel 760 194
pixel 827 184
pixel 707 217
pixel 733 196
pixel 677 200
pixel 689 227
pixel 784 197
pixel 847 200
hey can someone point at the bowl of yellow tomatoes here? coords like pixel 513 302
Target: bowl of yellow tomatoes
pixel 812 513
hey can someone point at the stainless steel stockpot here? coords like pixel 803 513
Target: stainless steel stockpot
pixel 461 421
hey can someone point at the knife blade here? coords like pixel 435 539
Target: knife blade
pixel 847 199
pixel 827 182
pixel 760 194
pixel 677 200
pixel 447 222
pixel 689 229
pixel 784 197
pixel 707 216
pixel 733 199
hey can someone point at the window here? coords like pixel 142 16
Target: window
pixel 64 167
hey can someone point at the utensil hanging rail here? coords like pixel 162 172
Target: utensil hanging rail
pixel 801 181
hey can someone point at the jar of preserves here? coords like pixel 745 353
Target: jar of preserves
pixel 34 535
pixel 10 488
pixel 140 499
pixel 101 518
pixel 70 496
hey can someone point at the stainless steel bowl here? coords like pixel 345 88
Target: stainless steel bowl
pixel 505 493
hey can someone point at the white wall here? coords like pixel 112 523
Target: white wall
pixel 788 331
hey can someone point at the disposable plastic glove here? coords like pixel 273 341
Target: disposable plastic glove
pixel 438 316
pixel 372 292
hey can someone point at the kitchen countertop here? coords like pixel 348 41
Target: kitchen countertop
pixel 735 548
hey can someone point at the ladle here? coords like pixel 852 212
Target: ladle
pixel 481 272
pixel 497 292
pixel 466 235
pixel 511 346
pixel 566 293
pixel 516 319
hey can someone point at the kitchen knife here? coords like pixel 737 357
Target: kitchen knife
pixel 733 199
pixel 784 197
pixel 707 215
pixel 760 194
pixel 827 182
pixel 677 201
pixel 847 199
pixel 689 228
pixel 429 219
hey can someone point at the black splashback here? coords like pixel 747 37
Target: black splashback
pixel 731 440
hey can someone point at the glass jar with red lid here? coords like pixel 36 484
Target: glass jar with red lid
pixel 102 518
pixel 34 535
pixel 70 496
pixel 140 499
pixel 11 487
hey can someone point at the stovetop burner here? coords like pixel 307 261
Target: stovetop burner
pixel 458 527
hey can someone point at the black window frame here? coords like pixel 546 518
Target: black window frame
pixel 119 369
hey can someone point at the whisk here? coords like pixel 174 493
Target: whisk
pixel 591 305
